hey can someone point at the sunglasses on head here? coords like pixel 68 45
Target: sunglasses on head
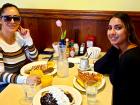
pixel 8 18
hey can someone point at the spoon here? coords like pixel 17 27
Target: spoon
pixel 89 55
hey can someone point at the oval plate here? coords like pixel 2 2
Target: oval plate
pixel 76 94
pixel 79 87
pixel 28 66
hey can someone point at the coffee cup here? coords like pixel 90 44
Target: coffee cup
pixel 93 52
pixel 84 63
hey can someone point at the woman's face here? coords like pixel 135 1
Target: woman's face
pixel 10 19
pixel 117 33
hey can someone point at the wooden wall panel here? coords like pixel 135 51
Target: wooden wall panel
pixel 41 23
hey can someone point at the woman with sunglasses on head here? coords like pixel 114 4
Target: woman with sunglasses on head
pixel 122 60
pixel 16 46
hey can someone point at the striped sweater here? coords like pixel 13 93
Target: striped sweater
pixel 13 57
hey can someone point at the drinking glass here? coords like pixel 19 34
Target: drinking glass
pixel 29 92
pixel 91 93
pixel 46 80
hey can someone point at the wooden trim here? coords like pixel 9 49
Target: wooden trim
pixel 73 14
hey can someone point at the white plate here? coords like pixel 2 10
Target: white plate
pixel 79 87
pixel 76 94
pixel 74 60
pixel 29 66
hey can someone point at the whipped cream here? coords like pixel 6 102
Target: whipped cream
pixel 59 95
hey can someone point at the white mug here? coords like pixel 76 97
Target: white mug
pixel 94 52
pixel 84 63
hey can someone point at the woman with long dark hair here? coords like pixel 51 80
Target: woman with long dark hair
pixel 122 60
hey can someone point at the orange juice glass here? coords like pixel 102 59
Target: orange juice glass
pixel 46 80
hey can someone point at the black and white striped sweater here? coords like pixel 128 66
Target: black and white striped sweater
pixel 13 57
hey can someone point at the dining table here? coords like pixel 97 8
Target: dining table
pixel 13 93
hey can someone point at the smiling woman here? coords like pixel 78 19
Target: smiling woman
pixel 121 59
pixel 16 47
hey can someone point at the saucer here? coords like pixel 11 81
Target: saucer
pixel 84 69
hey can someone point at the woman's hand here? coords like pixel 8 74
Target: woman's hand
pixel 33 80
pixel 24 32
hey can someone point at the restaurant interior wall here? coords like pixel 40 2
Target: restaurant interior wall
pixel 122 5
pixel 78 23
pixel 40 19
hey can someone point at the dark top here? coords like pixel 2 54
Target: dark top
pixel 124 74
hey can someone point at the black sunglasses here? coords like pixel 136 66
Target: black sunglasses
pixel 8 18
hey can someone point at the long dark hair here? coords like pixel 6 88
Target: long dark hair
pixel 132 36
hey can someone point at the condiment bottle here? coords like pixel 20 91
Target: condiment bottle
pixel 76 47
pixel 90 41
pixel 67 48
pixel 72 50
pixel 82 49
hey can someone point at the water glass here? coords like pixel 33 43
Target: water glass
pixel 29 91
pixel 91 93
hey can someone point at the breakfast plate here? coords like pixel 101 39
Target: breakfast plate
pixel 81 88
pixel 75 94
pixel 25 70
